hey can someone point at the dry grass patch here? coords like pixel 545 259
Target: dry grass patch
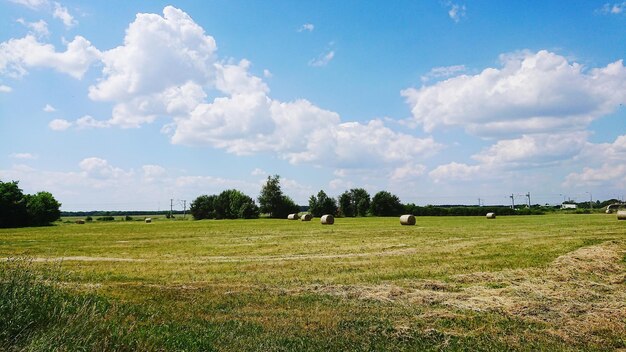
pixel 580 295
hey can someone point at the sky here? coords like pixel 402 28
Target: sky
pixel 125 105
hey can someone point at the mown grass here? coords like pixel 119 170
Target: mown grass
pixel 361 284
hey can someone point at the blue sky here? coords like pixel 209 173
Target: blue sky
pixel 125 105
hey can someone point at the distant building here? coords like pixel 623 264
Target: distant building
pixel 569 206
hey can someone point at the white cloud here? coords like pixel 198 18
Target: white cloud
pixel 267 73
pixel 59 125
pixel 57 10
pixel 153 46
pixel 39 28
pixel 323 59
pixel 534 150
pixel 49 108
pixel 61 13
pixel 89 122
pixel 101 169
pixel 309 27
pixel 532 93
pixel 23 156
pixel 614 9
pixel 456 11
pixel 5 89
pixel 32 4
pixel 442 72
pixel 607 175
pixel 153 172
pixel 258 172
pixel 16 55
pixel 456 172
pixel 605 165
pixel 407 172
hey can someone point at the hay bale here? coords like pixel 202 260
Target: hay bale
pixel 148 220
pixel 327 219
pixel 407 219
pixel 292 217
pixel 621 215
pixel 306 217
pixel 80 221
pixel 491 215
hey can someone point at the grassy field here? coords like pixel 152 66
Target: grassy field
pixel 553 282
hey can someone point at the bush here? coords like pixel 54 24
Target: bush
pixel 128 218
pixel 230 204
pixel 18 209
pixel 105 218
pixel 88 218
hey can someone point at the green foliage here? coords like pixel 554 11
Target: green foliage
pixel 322 205
pixel 230 204
pixel 355 202
pixel 42 208
pixel 12 205
pixel 386 204
pixel 105 218
pixel 88 218
pixel 273 202
pixel 19 210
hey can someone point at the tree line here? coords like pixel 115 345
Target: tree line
pixel 19 210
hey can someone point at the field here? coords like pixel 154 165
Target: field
pixel 553 282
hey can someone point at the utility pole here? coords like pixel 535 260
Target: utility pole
pixel 480 205
pixel 512 201
pixel 184 208
pixel 528 196
pixel 171 206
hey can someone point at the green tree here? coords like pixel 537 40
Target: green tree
pixel 273 202
pixel 355 202
pixel 322 204
pixel 203 207
pixel 386 204
pixel 12 205
pixel 42 209
pixel 346 205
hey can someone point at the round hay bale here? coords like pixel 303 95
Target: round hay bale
pixel 491 215
pixel 80 221
pixel 292 217
pixel 148 220
pixel 621 215
pixel 407 219
pixel 306 217
pixel 327 220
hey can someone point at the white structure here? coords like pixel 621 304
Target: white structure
pixel 569 206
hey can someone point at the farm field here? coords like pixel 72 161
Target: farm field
pixel 552 282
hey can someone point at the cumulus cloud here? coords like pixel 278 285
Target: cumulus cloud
pixel 534 150
pixel 17 55
pixel 442 72
pixel 323 59
pixel 456 172
pixel 57 10
pixel 456 11
pixel 607 174
pixel 87 121
pixel 23 156
pixel 32 4
pixel 614 9
pixel 309 27
pixel 5 89
pixel 153 46
pixel 59 125
pixel 407 172
pixel 63 14
pixel 606 165
pixel 49 108
pixel 531 93
pixel 39 28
